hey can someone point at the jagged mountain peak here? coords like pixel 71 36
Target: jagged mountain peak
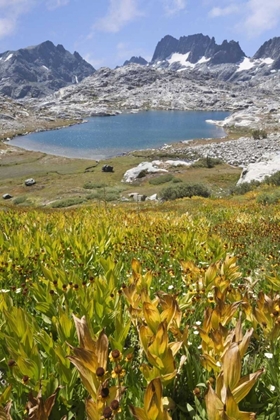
pixel 40 70
pixel 196 47
pixel 136 60
pixel 270 49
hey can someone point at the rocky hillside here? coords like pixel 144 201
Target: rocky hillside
pixel 40 70
pixel 135 87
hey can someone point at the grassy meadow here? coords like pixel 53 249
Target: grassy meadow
pixel 115 309
pixel 141 310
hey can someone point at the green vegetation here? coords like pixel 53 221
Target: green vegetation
pixel 183 296
pixel 153 311
pixel 269 197
pixel 185 190
pixel 245 187
pixel 207 162
pixel 162 179
pixel 273 179
pixel 91 185
pixel 259 134
pixel 67 202
pixel 20 200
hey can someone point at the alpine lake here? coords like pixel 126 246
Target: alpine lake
pixel 104 137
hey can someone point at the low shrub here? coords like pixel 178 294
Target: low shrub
pixel 259 134
pixel 185 190
pixel 207 162
pixel 19 200
pixel 176 180
pixel 91 185
pixel 162 179
pixel 269 198
pixel 110 194
pixel 273 179
pixel 244 188
pixel 67 202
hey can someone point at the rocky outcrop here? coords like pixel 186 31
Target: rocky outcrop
pixel 40 70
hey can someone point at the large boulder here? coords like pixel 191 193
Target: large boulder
pixel 30 181
pixel 141 170
pixel 7 196
pixel 259 170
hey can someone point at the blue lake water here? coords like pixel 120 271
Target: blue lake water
pixel 104 137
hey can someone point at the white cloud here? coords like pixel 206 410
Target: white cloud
pixel 120 13
pixel 174 6
pixel 95 62
pixel 10 11
pixel 255 16
pixel 7 26
pixel 54 4
pixel 125 51
pixel 261 16
pixel 224 11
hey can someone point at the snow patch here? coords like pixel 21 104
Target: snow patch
pixel 203 60
pixel 180 58
pixel 268 61
pixel 9 57
pixel 246 64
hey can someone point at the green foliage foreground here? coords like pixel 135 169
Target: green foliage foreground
pixel 107 313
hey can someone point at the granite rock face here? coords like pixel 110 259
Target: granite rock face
pixel 198 46
pixel 40 70
pixel 270 48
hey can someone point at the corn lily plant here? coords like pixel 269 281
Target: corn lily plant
pixel 153 404
pixel 230 387
pixel 91 361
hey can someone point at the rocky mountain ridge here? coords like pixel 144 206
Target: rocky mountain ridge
pixel 36 72
pixel 40 70
pixel 228 62
pixel 198 46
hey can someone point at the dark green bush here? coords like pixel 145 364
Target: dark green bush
pixel 162 179
pixel 184 190
pixel 176 180
pixel 259 134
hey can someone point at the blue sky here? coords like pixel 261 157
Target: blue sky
pixel 107 32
